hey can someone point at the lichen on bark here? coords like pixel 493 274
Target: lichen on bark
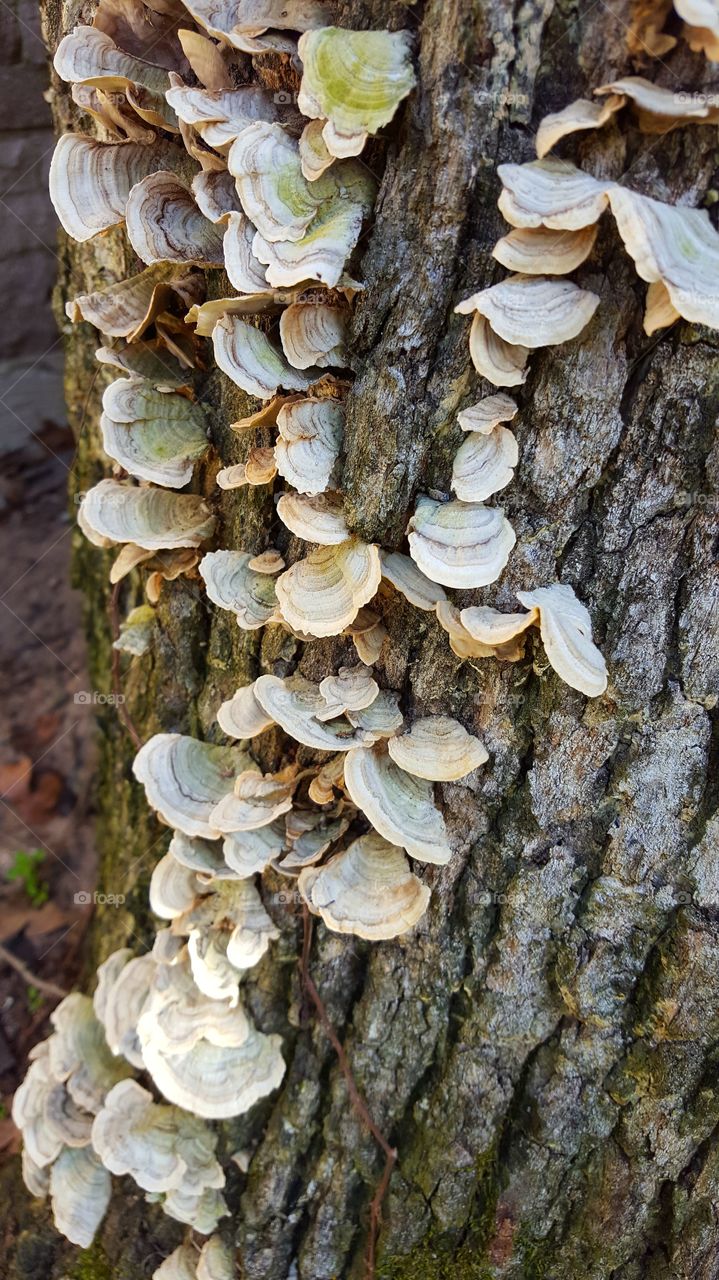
pixel 543 1051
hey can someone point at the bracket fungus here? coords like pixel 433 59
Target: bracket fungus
pixel 354 81
pixel 245 272
pixel 367 890
pixel 437 748
pixel 255 801
pixel 543 251
pixel 296 704
pixel 309 442
pixel 150 518
pixel 399 805
pixel 533 311
pixel 459 544
pixel 322 594
pixel 125 309
pixel 406 578
pixel 248 357
pixel 231 584
pixel 314 517
pixel 80 1189
pixel 566 630
pixel 314 333
pixel 484 464
pixel 551 193
pixel 488 413
pixel 577 116
pixel 164 224
pixel 154 435
pixel 242 716
pixel 185 779
pixel 90 181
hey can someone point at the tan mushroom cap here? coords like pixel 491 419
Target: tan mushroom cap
pixel 314 333
pixel 181 1264
pixel 437 748
pixel 368 637
pixel 542 250
pixel 533 311
pixel 676 246
pixel 504 633
pixel 255 801
pixel 242 23
pixel 322 594
pixel 90 181
pixel 661 109
pixel 184 779
pixel 551 193
pixel 232 585
pixel 460 641
pixel 308 447
pixel 406 578
pixel 460 544
pixel 80 1191
pixel 566 630
pixel 487 414
pixel 295 704
pixel 500 362
pixel 400 806
pixel 659 312
pixel 125 309
pixel 367 890
pixel 577 116
pixel 90 56
pixel 311 836
pixel 248 357
pixel 150 518
pixel 216 1260
pixel 484 464
pixel 314 517
pixel 164 223
pixel 269 561
pixel 351 689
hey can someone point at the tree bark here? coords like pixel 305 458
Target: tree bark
pixel 542 1050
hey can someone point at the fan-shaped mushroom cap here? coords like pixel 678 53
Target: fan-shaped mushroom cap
pixel 269 561
pixel 244 270
pixel 29 1113
pixel 178 1015
pixel 211 970
pixel 184 779
pixel 367 889
pixel 551 193
pixel 248 357
pixel 437 748
pixel 484 416
pixel 242 716
pixel 164 223
pixel 498 361
pixel 217 1081
pixel 256 801
pixel 484 464
pixel 294 704
pixel 107 973
pixel 150 518
pixel 533 311
pixel 80 1191
pixel 221 115
pixel 260 467
pixel 399 806
pixel 314 517
pixel 115 112
pixel 251 852
pixel 125 1001
pixel 154 435
pixel 216 1261
pixel 355 80
pixel 330 777
pixel 148 361
pixel 90 181
pixel 79 1055
pixel 236 21
pixel 89 56
pixel 322 252
pixel 235 905
pixel 36 1178
pixel 314 333
pixel 173 888
pixel 161 1147
pixel 231 584
pixel 539 250
pixel 352 689
pixel 314 156
pixel 201 1212
pixel 125 309
pixel 368 635
pixel 659 311
pixel 566 630
pixel 414 585
pixel 311 836
pixel 660 109
pixel 675 245
pixel 309 443
pixel 578 115
pixel 215 196
pixel 491 627
pixel 204 857
pixel 381 719
pixel 460 544
pixel 321 594
pixel 180 1265
pixel 68 1123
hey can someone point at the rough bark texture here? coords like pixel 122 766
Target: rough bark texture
pixel 543 1049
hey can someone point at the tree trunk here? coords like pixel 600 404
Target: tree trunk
pixel 542 1049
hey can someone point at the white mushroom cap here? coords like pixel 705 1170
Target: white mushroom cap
pixel 184 779
pixel 566 630
pixel 241 716
pixel 551 193
pixel 414 585
pixel 88 56
pixel 90 181
pixel 220 115
pixel 36 1178
pixel 579 115
pixel 248 852
pixel 355 80
pixel 533 311
pixel 314 333
pixel 231 584
pixel 437 748
pixel 244 270
pixel 79 1055
pixel 107 974
pixel 80 1190
pixel 201 1212
pixel 311 838
pixel 204 857
pixel 315 517
pixel 150 518
pixel 488 413
pixel 180 1265
pixel 256 800
pixel 460 544
pixel 164 223
pixel 178 1015
pixel 484 464
pixel 126 999
pixel 498 361
pixel 29 1114
pixel 322 594
pixel 309 443
pixel 399 806
pixel 216 1261
pixel 460 640
pixel 322 252
pixel 381 719
pixel 294 704
pixel 154 435
pixel 248 357
pixel 216 197
pixel 173 888
pixel 496 629
pixel 352 689
pixel 237 22
pixel 211 970
pixel 314 156
pixel 542 250
pixel 367 890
